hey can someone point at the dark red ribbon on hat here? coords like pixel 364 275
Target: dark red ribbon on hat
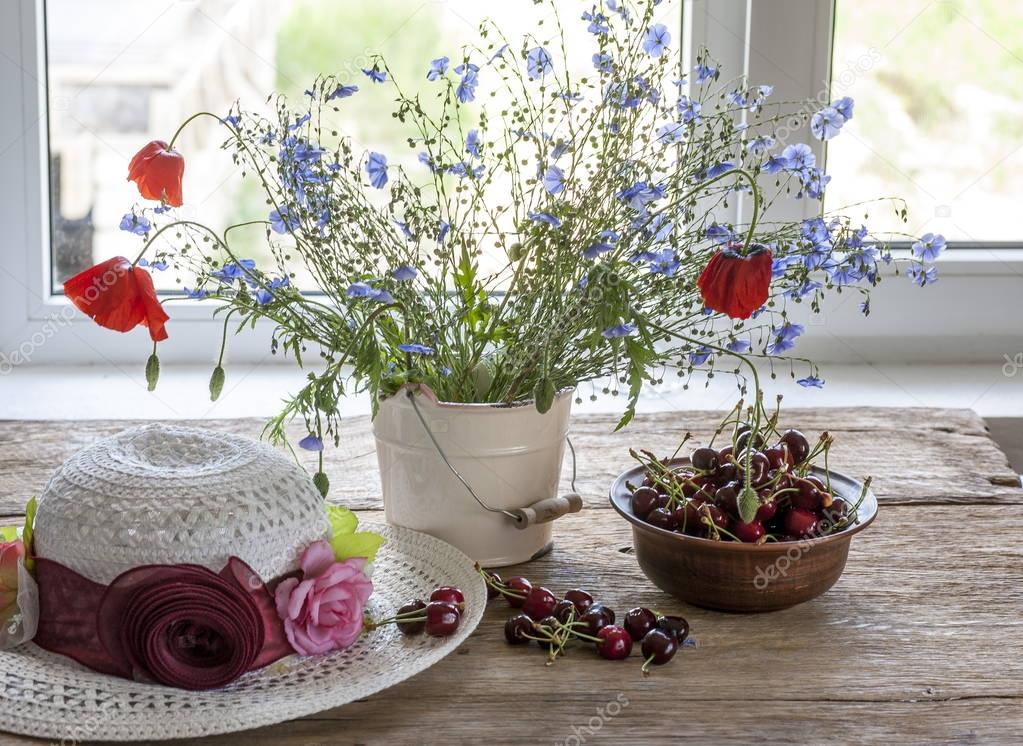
pixel 180 625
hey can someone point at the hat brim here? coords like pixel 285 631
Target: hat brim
pixel 50 696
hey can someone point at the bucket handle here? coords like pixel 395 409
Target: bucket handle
pixel 543 511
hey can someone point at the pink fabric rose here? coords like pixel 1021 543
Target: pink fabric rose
pixel 10 554
pixel 323 611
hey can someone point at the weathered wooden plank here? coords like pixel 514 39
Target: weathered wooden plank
pixel 915 455
pixel 917 643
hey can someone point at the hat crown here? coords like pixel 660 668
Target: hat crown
pixel 163 494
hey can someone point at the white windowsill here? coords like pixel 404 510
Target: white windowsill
pixel 119 392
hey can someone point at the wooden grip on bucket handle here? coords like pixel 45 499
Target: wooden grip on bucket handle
pixel 547 510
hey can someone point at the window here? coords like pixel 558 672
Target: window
pixel 84 84
pixel 938 89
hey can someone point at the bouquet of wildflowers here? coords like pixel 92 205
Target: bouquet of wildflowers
pixel 564 235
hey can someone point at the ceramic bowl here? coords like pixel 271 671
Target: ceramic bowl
pixel 732 576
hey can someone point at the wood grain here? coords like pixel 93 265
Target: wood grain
pixel 914 455
pixel 919 642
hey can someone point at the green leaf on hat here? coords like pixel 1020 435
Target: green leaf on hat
pixel 346 541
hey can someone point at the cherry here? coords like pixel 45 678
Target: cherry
pixel 442 618
pixel 606 611
pixel 808 497
pixel 687 518
pixel 746 436
pixel 517 628
pixel 493 585
pixel 749 532
pixel 658 647
pixel 550 625
pixel 413 627
pixel 580 598
pixel 766 511
pixel 519 588
pixel 797 444
pixel 800 522
pixel 716 515
pixel 727 497
pixel 816 482
pixel 638 622
pixel 539 603
pixel 777 456
pixel 594 621
pixel 563 610
pixel 727 472
pixel 705 459
pixel 675 626
pixel 450 594
pixel 725 454
pixel 662 518
pixel 758 466
pixel 644 499
pixel 838 510
pixel 615 643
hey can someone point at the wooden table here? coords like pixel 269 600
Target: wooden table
pixel 921 641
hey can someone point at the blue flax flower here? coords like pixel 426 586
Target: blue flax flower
pixel 137 224
pixel 376 168
pixel 283 221
pixel 404 273
pixel 929 247
pixel 377 76
pixel 343 91
pixel 826 123
pixel 414 348
pixel 811 382
pixel 656 40
pixel 545 217
pixel 538 63
pixel 622 330
pixel 784 337
pixel 602 62
pixel 438 67
pixel 310 443
pixel 472 144
pixel 705 73
pixel 554 180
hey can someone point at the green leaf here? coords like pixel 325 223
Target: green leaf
pixel 346 541
pixel 216 383
pixel 26 533
pixel 152 371
pixel 8 533
pixel 361 544
pixel 342 520
pixel 543 393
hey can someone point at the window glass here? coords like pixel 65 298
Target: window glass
pixel 939 97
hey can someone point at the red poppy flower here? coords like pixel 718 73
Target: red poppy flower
pixel 158 170
pixel 736 285
pixel 118 296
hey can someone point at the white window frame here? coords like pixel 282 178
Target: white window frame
pixel 971 314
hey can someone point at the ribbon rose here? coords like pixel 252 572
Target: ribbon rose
pixel 182 626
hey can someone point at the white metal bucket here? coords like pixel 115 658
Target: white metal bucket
pixel 511 455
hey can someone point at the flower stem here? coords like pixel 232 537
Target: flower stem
pixel 185 123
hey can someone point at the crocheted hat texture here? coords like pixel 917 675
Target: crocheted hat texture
pixel 163 494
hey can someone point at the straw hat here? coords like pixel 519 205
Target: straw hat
pixel 158 554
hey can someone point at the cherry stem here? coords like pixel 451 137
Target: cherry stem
pixel 646 666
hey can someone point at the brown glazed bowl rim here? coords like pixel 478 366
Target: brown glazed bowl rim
pixel 845 487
